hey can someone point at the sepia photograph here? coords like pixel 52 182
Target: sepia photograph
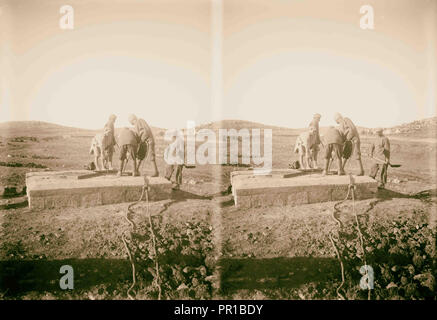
pixel 218 150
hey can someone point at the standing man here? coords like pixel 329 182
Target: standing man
pixel 350 133
pixel 175 163
pixel 146 142
pixel 380 153
pixel 315 149
pixel 109 138
pixel 333 144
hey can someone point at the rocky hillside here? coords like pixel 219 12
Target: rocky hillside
pixel 425 128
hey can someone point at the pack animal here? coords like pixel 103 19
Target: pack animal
pixel 305 143
pixel 100 148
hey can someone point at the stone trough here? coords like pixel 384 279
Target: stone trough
pixel 82 188
pixel 295 187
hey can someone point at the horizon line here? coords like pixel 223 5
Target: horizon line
pixel 208 123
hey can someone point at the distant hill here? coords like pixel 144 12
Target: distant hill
pixel 425 128
pixel 44 129
pixel 243 124
pixel 237 124
pixel 39 128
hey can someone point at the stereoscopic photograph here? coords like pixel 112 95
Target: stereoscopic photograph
pixel 224 150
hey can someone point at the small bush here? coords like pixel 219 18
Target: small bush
pixel 22 165
pixel 24 139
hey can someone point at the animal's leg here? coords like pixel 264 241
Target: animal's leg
pixel 110 161
pixel 96 160
pixel 125 162
pixel 106 161
pixel 316 165
pixel 309 159
pixel 326 170
pixel 120 173
pixel 301 160
pixel 102 161
pixel 306 157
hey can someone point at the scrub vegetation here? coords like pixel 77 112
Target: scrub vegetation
pixel 206 247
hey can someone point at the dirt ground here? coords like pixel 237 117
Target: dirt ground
pixel 279 253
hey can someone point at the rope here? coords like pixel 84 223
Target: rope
pixel 157 278
pixel 336 210
pixel 132 266
pixel 351 190
pixel 340 296
pixel 145 190
pixel 361 238
pixel 340 225
pixel 123 238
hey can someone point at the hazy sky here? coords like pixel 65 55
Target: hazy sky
pixel 287 59
pixel 169 61
pixel 149 57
